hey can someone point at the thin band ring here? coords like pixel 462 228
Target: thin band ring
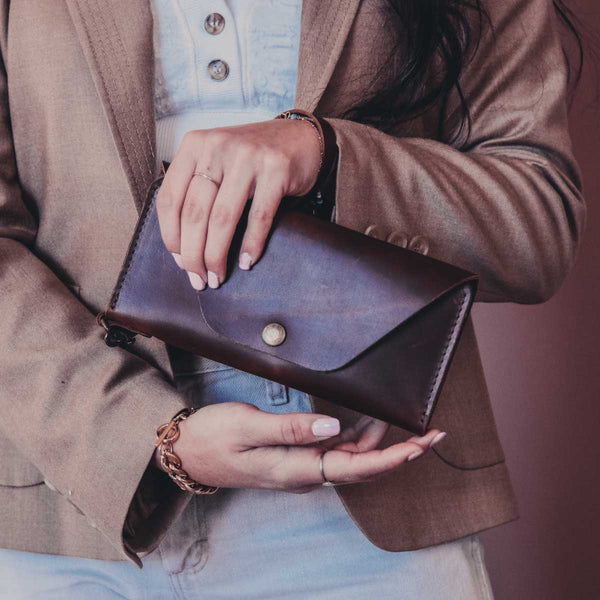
pixel 326 482
pixel 206 176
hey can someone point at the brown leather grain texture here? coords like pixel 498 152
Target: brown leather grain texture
pixel 368 325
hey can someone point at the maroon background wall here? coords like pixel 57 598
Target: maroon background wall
pixel 543 368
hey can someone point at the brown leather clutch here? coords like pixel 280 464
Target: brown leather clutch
pixel 326 310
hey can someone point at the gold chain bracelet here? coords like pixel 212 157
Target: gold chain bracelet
pixel 301 115
pixel 168 434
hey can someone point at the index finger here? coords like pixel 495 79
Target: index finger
pixel 171 196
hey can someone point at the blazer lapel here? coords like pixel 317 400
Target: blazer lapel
pixel 116 38
pixel 324 30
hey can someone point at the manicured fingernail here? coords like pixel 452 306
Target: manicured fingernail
pixel 213 280
pixel 325 427
pixel 245 261
pixel 177 259
pixel 438 438
pixel 415 454
pixel 196 281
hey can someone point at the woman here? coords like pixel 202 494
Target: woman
pixel 450 124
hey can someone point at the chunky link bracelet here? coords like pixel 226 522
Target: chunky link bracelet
pixel 168 434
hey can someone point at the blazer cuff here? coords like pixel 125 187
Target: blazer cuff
pixel 116 489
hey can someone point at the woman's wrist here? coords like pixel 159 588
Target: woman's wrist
pixel 321 197
pixel 167 435
pixel 324 191
pixel 331 153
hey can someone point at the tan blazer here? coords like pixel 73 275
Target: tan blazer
pixel 76 157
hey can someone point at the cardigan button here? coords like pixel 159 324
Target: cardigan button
pixel 214 23
pixel 218 69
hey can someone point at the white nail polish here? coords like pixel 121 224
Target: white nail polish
pixel 196 281
pixel 245 261
pixel 213 280
pixel 415 454
pixel 438 438
pixel 325 427
pixel 177 259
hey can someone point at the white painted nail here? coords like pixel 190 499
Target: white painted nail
pixel 213 280
pixel 245 261
pixel 325 427
pixel 196 281
pixel 177 259
pixel 438 438
pixel 415 454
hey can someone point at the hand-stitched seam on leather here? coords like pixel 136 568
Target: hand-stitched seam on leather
pixel 133 246
pixel 438 372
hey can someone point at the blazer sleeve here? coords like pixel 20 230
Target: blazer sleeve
pixel 506 203
pixel 84 414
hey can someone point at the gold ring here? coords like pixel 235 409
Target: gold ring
pixel 206 176
pixel 326 482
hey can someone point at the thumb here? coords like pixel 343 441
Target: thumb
pixel 294 429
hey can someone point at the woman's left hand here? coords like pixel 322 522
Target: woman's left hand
pixel 198 214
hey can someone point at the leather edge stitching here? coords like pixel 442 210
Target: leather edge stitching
pixel 444 358
pixel 133 245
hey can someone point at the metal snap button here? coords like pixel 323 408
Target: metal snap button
pixel 218 69
pixel 274 334
pixel 214 23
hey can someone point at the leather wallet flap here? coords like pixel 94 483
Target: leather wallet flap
pixel 367 325
pixel 335 296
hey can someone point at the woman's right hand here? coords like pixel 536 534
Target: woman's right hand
pixel 237 445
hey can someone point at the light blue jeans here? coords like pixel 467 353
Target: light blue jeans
pixel 255 544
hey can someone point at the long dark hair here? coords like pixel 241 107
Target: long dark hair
pixel 441 36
